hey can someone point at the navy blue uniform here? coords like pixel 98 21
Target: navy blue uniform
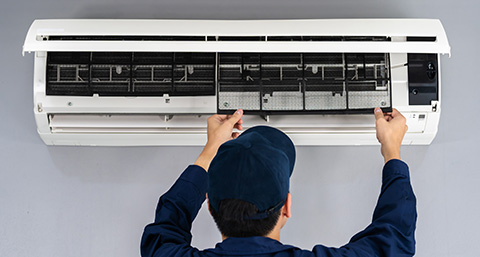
pixel 391 232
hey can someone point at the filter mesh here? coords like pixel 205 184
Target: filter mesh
pixel 235 100
pixel 366 99
pixel 324 101
pixel 283 101
pixel 305 82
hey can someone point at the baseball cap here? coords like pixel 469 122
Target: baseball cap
pixel 255 167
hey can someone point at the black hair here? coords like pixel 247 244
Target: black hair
pixel 232 219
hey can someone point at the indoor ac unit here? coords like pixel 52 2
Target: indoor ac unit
pixel 155 82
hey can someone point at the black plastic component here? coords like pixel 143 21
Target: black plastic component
pixel 422 78
pixel 240 38
pixel 307 112
pixel 222 38
pixel 127 38
pixel 328 38
pixel 422 39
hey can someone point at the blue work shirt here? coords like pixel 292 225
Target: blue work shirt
pixel 391 232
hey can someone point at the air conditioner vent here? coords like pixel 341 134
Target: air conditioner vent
pixel 328 38
pixel 216 38
pixel 125 38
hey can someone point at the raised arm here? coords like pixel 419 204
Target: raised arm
pixel 170 234
pixel 219 131
pixel 391 128
pixel 391 232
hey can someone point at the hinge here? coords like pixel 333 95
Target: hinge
pixel 266 117
pixel 39 107
pixel 434 106
pixel 168 117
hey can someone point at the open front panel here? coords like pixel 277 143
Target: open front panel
pixel 308 82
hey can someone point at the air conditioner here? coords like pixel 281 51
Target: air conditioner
pixel 155 82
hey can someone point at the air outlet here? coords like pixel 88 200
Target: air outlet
pixel 222 38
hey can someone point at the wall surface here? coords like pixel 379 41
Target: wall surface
pixel 95 201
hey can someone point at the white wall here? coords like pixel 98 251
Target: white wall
pixel 95 201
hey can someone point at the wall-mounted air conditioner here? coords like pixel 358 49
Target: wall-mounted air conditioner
pixel 155 82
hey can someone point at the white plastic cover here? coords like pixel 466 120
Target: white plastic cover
pixel 397 29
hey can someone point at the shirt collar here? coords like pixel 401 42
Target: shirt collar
pixel 249 245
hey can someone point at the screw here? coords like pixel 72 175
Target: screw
pixel 69 103
pixel 226 104
pixel 383 103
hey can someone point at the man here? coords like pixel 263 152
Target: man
pixel 248 197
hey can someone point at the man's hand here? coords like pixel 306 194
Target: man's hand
pixel 219 128
pixel 219 131
pixel 391 128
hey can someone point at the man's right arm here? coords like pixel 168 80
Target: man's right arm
pixel 391 128
pixel 391 232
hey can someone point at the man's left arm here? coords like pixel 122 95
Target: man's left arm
pixel 170 234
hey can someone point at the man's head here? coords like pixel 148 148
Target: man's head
pixel 249 182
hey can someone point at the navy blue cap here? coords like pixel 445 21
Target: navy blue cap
pixel 256 168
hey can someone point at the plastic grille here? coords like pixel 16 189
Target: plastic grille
pixel 130 74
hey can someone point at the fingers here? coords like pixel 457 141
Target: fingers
pixel 236 118
pixel 397 114
pixel 218 117
pixel 238 126
pixel 398 117
pixel 388 116
pixel 378 113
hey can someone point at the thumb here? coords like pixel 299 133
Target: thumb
pixel 235 117
pixel 378 113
